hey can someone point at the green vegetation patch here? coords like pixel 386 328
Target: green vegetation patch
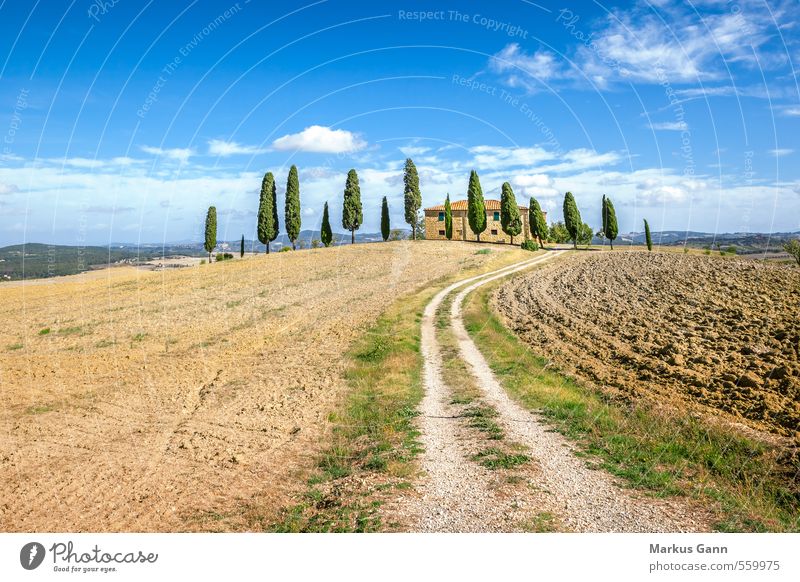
pixel 494 458
pixel 374 437
pixel 667 453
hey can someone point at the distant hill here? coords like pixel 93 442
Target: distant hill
pixel 36 260
pixel 745 242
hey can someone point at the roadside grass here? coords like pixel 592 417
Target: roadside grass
pixel 666 453
pixel 374 437
pixel 14 347
pixel 373 445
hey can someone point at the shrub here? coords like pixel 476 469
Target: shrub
pixel 44 331
pixel 483 252
pixel 224 256
pixel 284 249
pixel 793 248
pixel 530 245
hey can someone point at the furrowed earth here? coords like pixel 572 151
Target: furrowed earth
pixel 719 336
pixel 188 400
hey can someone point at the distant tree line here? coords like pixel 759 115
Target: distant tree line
pixel 571 229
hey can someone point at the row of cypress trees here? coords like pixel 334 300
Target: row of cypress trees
pixel 352 212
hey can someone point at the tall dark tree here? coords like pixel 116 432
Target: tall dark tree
pixel 326 234
pixel 241 249
pixel 647 238
pixel 292 210
pixel 385 226
pixel 572 218
pixel 211 231
pixel 268 211
pixel 603 214
pixel 411 196
pixel 536 222
pixel 448 218
pixel 476 208
pixel 510 220
pixel 610 228
pixel 352 216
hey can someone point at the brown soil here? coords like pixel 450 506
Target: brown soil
pixel 718 335
pixel 191 399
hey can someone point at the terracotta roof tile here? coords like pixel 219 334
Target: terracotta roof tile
pixel 462 205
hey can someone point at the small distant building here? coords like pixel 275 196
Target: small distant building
pixel 434 223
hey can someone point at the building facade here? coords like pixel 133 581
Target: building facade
pixel 434 223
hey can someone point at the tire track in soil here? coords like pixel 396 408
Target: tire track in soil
pixel 457 494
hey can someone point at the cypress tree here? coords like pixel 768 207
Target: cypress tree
pixel 385 227
pixel 448 218
pixel 268 211
pixel 241 249
pixel 537 223
pixel 211 231
pixel 648 239
pixel 325 234
pixel 352 216
pixel 292 214
pixel 412 196
pixel 476 208
pixel 603 215
pixel 572 218
pixel 610 228
pixel 510 220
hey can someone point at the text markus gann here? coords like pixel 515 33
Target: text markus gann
pixel 65 553
pixel 676 549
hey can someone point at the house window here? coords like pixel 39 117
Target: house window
pixel 441 233
pixel 441 216
pixel 494 231
pixel 496 217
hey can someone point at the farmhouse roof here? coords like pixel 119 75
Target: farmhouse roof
pixel 462 205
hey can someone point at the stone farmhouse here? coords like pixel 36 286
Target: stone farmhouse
pixel 434 223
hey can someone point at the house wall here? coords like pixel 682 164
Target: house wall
pixel 434 228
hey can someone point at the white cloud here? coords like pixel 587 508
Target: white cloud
pixel 180 154
pixel 319 139
pixel 791 111
pixel 527 71
pixel 218 147
pixel 670 126
pixel 6 189
pixel 493 157
pixel 409 151
pixel 780 152
pixel 674 43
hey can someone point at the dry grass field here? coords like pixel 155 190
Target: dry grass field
pixel 166 401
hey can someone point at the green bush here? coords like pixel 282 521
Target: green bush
pixel 530 245
pixel 284 249
pixel 224 256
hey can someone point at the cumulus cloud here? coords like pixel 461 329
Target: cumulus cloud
pixel 319 139
pixel 218 147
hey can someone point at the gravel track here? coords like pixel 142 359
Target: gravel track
pixel 457 496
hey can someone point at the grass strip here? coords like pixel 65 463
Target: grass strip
pixel 658 450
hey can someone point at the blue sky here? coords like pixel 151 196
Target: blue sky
pixel 124 121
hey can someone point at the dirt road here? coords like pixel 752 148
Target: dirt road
pixel 461 495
